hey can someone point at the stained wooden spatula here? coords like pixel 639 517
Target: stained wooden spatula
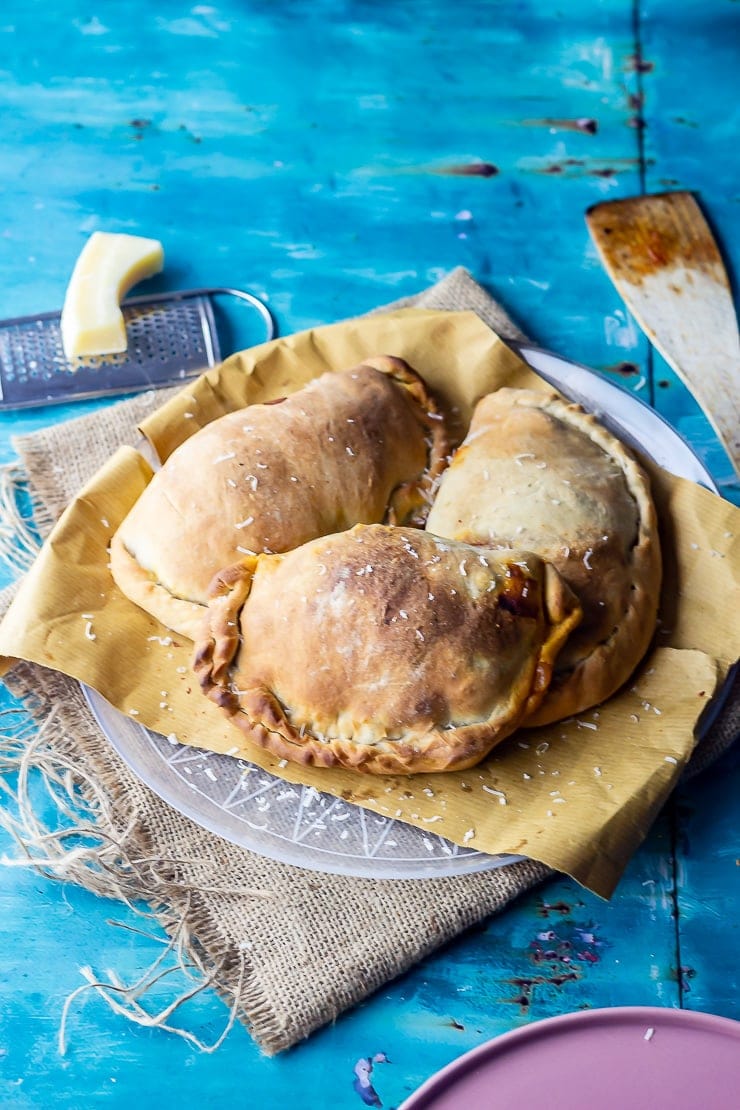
pixel 662 257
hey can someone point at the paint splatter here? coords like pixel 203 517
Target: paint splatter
pixel 526 986
pixel 139 126
pixel 584 123
pixel 635 63
pixel 624 369
pixel 684 976
pixel 580 167
pixel 362 1083
pixel 567 946
pixel 561 955
pixel 469 169
pixel 544 909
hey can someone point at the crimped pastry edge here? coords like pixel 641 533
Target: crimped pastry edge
pixel 261 718
pixel 607 667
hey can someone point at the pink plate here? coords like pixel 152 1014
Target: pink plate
pixel 625 1058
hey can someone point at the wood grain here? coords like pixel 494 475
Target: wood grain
pixel 663 259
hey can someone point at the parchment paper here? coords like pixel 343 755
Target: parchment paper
pixel 577 796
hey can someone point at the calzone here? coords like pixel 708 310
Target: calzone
pixel 539 473
pixel 383 649
pixel 358 446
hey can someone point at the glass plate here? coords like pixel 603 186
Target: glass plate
pixel 301 826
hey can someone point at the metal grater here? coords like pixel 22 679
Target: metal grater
pixel 171 337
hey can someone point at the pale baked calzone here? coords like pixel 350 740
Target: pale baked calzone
pixel 383 649
pixel 358 446
pixel 539 473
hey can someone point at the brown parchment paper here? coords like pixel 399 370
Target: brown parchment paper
pixel 578 796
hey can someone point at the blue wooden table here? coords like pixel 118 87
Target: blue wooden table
pixel 332 156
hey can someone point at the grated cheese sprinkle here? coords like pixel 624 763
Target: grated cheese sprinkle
pixel 497 793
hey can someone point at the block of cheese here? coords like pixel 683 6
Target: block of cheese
pixel 108 266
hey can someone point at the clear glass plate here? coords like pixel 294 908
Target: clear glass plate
pixel 299 825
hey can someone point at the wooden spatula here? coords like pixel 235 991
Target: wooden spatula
pixel 662 257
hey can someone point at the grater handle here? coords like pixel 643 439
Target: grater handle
pixel 250 298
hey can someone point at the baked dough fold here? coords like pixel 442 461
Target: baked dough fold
pixel 539 473
pixel 359 446
pixel 383 649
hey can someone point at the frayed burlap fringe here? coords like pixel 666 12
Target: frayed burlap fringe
pixel 84 849
pixel 125 1000
pixel 287 950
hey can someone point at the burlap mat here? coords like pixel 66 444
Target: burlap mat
pixel 287 949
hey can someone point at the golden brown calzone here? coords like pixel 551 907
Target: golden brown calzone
pixel 383 649
pixel 539 473
pixel 358 446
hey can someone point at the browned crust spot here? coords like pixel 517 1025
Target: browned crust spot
pixel 259 714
